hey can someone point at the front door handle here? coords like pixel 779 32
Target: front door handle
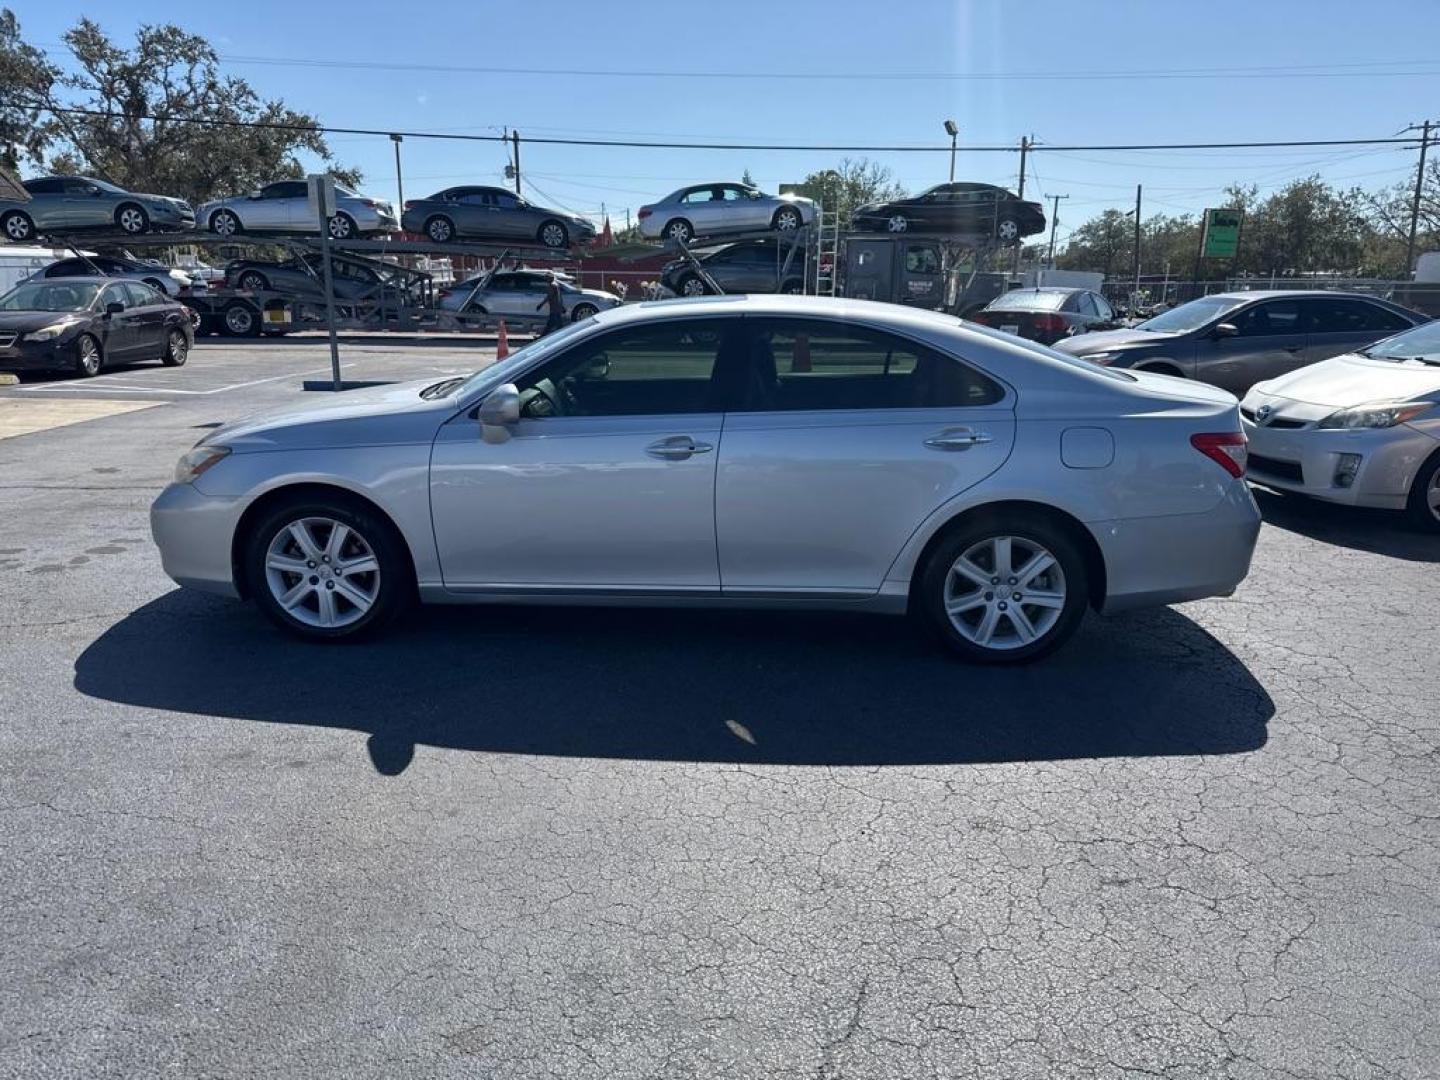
pixel 677 448
pixel 961 439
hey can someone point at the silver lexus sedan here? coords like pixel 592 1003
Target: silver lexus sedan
pixel 740 451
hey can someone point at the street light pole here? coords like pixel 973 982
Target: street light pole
pixel 1054 221
pixel 1415 204
pixel 953 130
pixel 399 180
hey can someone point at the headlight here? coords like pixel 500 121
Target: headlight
pixel 48 333
pixel 199 460
pixel 1380 414
pixel 1101 357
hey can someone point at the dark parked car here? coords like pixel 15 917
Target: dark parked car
pixel 491 213
pixel 972 209
pixel 751 267
pixel 303 276
pixel 83 324
pixel 1234 340
pixel 1047 315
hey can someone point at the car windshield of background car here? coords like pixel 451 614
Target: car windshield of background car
pixel 76 297
pixel 1190 316
pixel 1421 344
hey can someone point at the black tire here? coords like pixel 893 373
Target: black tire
pixel 692 285
pixel 239 319
pixel 226 223
pixel 553 234
pixel 581 312
pixel 18 226
pixel 1007 230
pixel 392 587
pixel 440 229
pixel 897 223
pixel 177 348
pixel 89 358
pixel 679 229
pixel 787 219
pixel 132 218
pixel 1067 578
pixel 253 280
pixel 156 284
pixel 1424 512
pixel 342 227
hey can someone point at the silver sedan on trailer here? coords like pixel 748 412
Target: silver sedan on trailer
pixel 1362 429
pixel 284 207
pixel 750 451
pixel 719 208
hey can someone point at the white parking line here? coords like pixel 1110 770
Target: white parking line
pixel 97 384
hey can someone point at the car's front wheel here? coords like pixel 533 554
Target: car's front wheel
pixel 88 358
pixel 132 219
pixel 327 570
pixel 581 312
pixel 553 234
pixel 897 223
pixel 1424 501
pixel 1004 588
pixel 1007 230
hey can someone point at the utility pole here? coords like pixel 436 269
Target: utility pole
pixel 399 181
pixel 515 140
pixel 627 220
pixel 1024 150
pixel 1415 203
pixel 1136 299
pixel 1054 221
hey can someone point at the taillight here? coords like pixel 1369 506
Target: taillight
pixel 645 212
pixel 1050 324
pixel 409 204
pixel 1226 449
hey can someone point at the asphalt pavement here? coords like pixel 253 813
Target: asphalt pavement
pixel 1198 842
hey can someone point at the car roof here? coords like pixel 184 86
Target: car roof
pixel 758 304
pixel 78 279
pixel 1272 294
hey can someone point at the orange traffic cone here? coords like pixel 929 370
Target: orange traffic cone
pixel 502 342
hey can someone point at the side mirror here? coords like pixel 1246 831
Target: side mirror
pixel 498 412
pixel 114 308
pixel 1226 329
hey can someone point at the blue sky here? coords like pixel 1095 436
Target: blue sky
pixel 1296 69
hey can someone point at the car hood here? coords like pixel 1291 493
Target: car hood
pixel 374 416
pixel 26 321
pixel 1104 340
pixel 1343 381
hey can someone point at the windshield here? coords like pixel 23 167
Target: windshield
pixel 502 370
pixel 61 296
pixel 1421 343
pixel 1191 316
pixel 1029 300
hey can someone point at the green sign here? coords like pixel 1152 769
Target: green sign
pixel 1221 238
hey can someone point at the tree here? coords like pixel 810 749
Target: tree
pixel 170 75
pixel 851 184
pixel 747 179
pixel 1102 243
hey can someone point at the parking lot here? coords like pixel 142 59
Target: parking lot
pixel 1197 842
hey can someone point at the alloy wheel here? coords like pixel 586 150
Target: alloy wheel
pixel 18 227
pixel 439 230
pixel 132 219
pixel 787 220
pixel 1004 592
pixel 1008 230
pixel 89 356
pixel 1432 495
pixel 322 572
pixel 693 287
pixel 341 227
pixel 225 224
pixel 897 223
pixel 553 235
pixel 177 348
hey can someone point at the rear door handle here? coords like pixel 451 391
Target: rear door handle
pixel 957 440
pixel 677 448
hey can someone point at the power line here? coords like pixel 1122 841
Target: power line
pixel 330 129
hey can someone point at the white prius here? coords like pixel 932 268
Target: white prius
pixel 744 451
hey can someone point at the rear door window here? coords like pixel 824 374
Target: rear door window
pixel 1346 316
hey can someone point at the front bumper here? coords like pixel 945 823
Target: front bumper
pixel 1309 460
pixel 194 533
pixel 1166 560
pixel 37 355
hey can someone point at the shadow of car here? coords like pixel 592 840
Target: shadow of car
pixel 784 688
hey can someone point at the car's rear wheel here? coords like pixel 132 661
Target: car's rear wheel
pixel 786 219
pixel 1424 501
pixel 691 285
pixel 18 226
pixel 1007 230
pixel 240 320
pixel 132 219
pixel 342 227
pixel 1004 588
pixel 680 230
pixel 224 223
pixel 88 358
pixel 440 229
pixel 177 349
pixel 897 223
pixel 253 279
pixel 327 570
pixel 581 312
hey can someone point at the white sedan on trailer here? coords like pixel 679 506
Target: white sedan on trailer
pixel 721 208
pixel 1362 428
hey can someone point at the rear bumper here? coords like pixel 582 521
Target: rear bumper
pixel 1306 461
pixel 1178 557
pixel 194 533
